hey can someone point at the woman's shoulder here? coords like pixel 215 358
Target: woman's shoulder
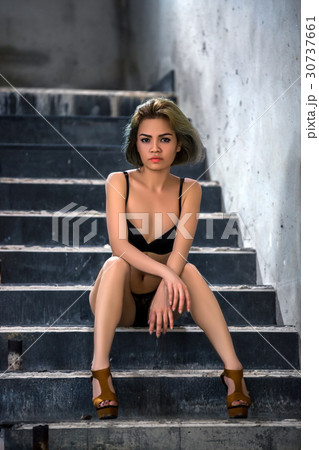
pixel 192 191
pixel 118 176
pixel 192 184
pixel 115 177
pixel 116 180
pixel 189 184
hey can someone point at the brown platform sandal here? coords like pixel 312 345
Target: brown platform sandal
pixel 237 411
pixel 108 411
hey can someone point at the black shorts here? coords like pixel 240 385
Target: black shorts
pixel 143 303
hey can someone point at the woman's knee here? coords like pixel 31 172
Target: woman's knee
pixel 115 263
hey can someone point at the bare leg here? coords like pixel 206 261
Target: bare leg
pixel 112 304
pixel 207 314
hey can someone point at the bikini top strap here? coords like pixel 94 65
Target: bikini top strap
pixel 127 186
pixel 180 195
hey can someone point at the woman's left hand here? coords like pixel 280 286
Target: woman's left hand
pixel 160 314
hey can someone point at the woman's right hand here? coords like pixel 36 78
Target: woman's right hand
pixel 177 291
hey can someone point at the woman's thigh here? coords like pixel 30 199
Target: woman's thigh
pixel 107 265
pixel 129 307
pixel 124 292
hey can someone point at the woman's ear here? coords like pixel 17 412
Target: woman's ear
pixel 179 147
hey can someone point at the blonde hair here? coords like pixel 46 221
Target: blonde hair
pixel 192 149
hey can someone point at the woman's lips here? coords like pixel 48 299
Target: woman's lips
pixel 155 159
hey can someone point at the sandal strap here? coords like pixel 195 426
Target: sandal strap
pixel 236 376
pixel 102 376
pixel 237 395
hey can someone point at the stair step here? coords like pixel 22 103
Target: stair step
pixel 68 264
pixel 180 348
pixel 177 434
pixel 64 102
pixel 60 396
pixel 84 130
pixel 53 194
pixel 39 228
pixel 43 304
pixel 62 161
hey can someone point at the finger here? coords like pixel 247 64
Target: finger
pixel 158 324
pixel 151 321
pixel 188 300
pixel 181 301
pixel 175 301
pixel 165 322
pixel 170 294
pixel 171 319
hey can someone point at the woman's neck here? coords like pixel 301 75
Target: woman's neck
pixel 155 180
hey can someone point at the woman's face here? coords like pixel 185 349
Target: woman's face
pixel 157 143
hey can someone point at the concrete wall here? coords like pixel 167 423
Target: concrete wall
pixel 62 43
pixel 234 61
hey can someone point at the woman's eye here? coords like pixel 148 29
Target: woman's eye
pixel 146 140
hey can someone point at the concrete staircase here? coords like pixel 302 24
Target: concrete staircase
pixel 169 392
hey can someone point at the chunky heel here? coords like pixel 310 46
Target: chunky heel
pixel 107 411
pixel 238 411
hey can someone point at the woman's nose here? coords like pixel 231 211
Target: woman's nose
pixel 155 147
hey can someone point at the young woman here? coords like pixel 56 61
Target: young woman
pixel 151 219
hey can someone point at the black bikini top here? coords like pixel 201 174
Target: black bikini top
pixel 163 244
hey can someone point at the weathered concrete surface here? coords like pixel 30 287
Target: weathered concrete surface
pixel 237 67
pixel 182 348
pixel 66 264
pixel 143 435
pixel 62 43
pixel 42 304
pixel 71 130
pixel 155 395
pixel 66 102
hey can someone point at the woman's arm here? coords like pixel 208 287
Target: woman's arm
pixel 186 229
pixel 160 312
pixel 117 229
pixel 191 199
